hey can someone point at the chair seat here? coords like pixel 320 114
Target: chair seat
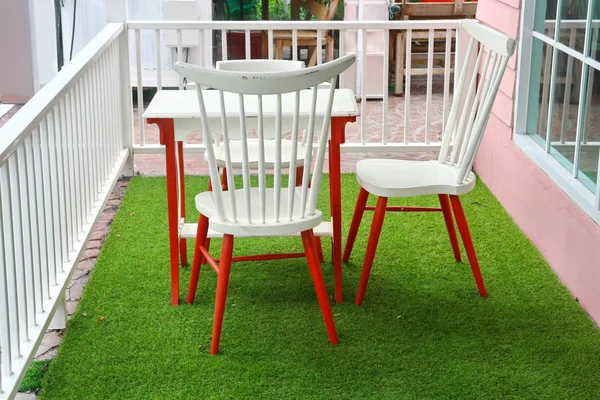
pixel 401 178
pixel 206 206
pixel 236 154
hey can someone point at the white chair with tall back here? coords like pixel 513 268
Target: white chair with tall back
pixel 261 211
pixel 268 132
pixel 488 53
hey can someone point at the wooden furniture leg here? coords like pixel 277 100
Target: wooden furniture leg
pixel 400 57
pixel 330 44
pixel 359 210
pixel 374 235
pixel 308 239
pixel 463 228
pixel 279 49
pixel 222 284
pixel 447 211
pixel 182 241
pixel 201 233
pixel 166 127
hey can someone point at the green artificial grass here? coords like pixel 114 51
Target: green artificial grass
pixel 423 331
pixel 33 379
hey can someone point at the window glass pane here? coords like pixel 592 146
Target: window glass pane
pixel 545 17
pixel 564 112
pixel 590 146
pixel 572 23
pixel 541 66
pixel 595 40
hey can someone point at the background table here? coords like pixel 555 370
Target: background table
pixel 176 112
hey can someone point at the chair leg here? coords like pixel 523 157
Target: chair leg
pixel 371 247
pixel 200 239
pixel 308 239
pixel 299 175
pixel 313 58
pixel 319 249
pixel 359 210
pixel 224 179
pixel 330 44
pixel 447 211
pixel 222 283
pixel 463 228
pixel 207 247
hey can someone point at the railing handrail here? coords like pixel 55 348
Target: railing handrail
pixel 26 119
pixel 290 25
pixel 571 23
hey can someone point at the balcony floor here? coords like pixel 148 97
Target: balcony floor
pixel 423 331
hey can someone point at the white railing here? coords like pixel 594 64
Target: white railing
pixel 185 41
pixel 60 156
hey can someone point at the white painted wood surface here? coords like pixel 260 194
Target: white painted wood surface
pixel 451 173
pixel 259 210
pixel 183 104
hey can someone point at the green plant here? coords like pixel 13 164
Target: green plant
pixel 277 11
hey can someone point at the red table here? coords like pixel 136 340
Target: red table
pixel 173 111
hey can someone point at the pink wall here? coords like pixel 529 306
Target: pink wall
pixel 565 235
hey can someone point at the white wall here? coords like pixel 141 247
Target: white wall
pixel 43 41
pixel 151 10
pixel 16 84
pixel 90 18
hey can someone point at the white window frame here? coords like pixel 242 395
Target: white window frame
pixel 567 180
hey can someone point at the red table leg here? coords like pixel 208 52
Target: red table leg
pixel 338 125
pixel 167 139
pixel 182 242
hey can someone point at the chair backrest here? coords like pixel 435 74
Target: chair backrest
pixel 256 66
pixel 268 88
pixel 259 65
pixel 481 72
pixel 319 10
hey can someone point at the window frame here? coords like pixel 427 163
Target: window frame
pixel 566 179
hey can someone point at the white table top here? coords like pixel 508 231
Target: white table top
pixel 184 104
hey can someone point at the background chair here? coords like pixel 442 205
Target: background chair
pixel 450 176
pixel 269 142
pixel 258 66
pixel 258 211
pixel 309 38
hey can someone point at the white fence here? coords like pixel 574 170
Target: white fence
pixel 60 156
pixel 404 138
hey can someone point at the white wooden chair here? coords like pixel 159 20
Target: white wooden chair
pixel 450 176
pixel 259 211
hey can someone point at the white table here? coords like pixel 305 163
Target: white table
pixel 176 112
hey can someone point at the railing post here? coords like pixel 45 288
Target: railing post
pixel 116 11
pixel 59 320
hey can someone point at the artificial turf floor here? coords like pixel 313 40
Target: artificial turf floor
pixel 423 331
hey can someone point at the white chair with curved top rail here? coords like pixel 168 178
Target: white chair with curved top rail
pixel 450 176
pixel 257 210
